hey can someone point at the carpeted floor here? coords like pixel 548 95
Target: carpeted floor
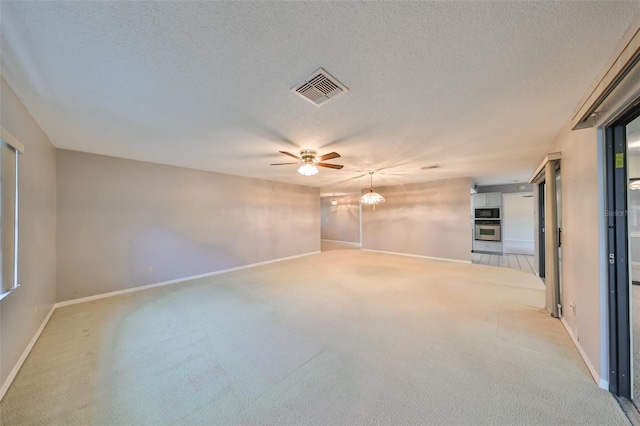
pixel 327 245
pixel 341 337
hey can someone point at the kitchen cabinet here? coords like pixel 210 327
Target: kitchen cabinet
pixel 487 199
pixel 487 246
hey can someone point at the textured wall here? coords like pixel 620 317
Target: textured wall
pixel 22 312
pixel 118 217
pixel 584 245
pixel 427 219
pixel 341 222
pixel 581 262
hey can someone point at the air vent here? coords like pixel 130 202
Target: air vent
pixel 433 166
pixel 320 88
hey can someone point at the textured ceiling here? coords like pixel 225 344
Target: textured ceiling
pixel 479 88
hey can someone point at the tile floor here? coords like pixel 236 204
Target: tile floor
pixel 507 260
pixel 523 262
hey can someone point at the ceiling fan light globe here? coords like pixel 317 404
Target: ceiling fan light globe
pixel 308 169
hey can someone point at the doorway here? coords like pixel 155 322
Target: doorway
pixel 541 226
pixel 622 152
pixel 548 177
pixel 558 244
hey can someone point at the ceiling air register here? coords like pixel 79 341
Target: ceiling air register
pixel 320 88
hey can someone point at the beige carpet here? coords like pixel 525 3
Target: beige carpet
pixel 341 337
pixel 326 245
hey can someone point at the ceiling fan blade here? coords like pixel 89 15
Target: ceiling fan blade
pixel 289 154
pixel 281 164
pixel 329 156
pixel 331 166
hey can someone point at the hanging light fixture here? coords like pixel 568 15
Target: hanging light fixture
pixel 371 198
pixel 334 202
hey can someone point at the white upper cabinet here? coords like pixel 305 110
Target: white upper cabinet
pixel 494 199
pixel 479 200
pixel 487 199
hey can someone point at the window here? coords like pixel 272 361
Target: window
pixel 10 149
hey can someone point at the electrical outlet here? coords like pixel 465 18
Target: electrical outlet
pixel 149 270
pixel 573 308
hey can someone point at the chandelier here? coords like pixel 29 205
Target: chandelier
pixel 371 198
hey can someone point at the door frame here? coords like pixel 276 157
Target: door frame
pixel 619 279
pixel 541 225
pixel 545 178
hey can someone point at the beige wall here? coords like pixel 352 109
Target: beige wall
pixel 341 222
pixel 427 219
pixel 581 263
pixel 584 248
pixel 118 217
pixel 23 311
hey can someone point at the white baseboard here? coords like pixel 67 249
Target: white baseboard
pixel 179 280
pixel 25 353
pixel 604 384
pixel 350 243
pixel 27 350
pixel 518 247
pixel 444 259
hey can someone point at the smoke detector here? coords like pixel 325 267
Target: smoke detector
pixel 320 88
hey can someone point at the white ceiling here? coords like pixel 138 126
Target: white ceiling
pixel 479 88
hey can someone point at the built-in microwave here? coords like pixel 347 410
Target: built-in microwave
pixel 487 213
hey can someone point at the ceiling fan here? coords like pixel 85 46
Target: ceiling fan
pixel 309 160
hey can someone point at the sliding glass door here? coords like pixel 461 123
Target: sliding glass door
pixel 623 238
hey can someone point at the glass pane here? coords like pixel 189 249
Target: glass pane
pixel 487 231
pixel 633 212
pixel 633 165
pixel 3 288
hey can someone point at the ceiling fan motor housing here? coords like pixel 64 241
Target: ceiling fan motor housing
pixel 308 155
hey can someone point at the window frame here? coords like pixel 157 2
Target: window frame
pixel 13 143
